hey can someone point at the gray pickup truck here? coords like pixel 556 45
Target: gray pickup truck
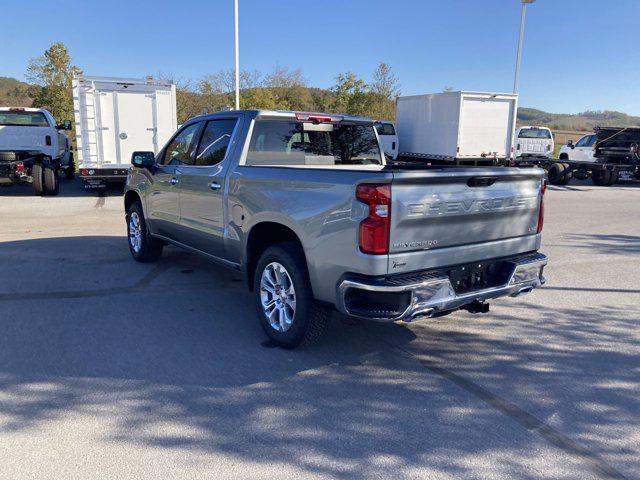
pixel 307 206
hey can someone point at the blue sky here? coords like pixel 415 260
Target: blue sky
pixel 578 54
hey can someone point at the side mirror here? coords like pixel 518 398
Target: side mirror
pixel 143 159
pixel 66 125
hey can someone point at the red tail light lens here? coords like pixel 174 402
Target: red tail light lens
pixel 374 230
pixel 543 189
pixel 83 172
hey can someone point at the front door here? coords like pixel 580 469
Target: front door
pixel 202 189
pixel 162 200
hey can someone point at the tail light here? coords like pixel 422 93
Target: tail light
pixel 548 148
pixel 83 172
pixel 19 167
pixel 47 140
pixel 543 189
pixel 374 230
pixel 518 147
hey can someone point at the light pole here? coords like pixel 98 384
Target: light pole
pixel 237 59
pixel 522 15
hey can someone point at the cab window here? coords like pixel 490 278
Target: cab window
pixel 180 150
pixel 215 141
pixel 385 129
pixel 584 141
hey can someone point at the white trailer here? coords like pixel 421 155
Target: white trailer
pixel 115 117
pixel 461 127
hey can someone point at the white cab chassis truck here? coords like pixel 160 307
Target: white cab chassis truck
pixel 115 117
pixel 465 128
pixel 34 149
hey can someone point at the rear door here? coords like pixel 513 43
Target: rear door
pixel 203 188
pixel 134 124
pixel 455 208
pixel 485 127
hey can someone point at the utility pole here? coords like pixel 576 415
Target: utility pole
pixel 237 59
pixel 520 38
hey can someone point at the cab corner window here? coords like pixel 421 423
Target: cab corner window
pixel 180 149
pixel 215 142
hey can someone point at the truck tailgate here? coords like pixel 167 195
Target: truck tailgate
pixel 437 209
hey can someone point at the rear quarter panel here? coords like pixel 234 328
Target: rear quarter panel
pixel 318 205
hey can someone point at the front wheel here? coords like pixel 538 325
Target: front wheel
pixel 288 313
pixel 143 247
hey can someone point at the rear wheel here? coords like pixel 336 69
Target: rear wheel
pixel 568 174
pixel 604 178
pixel 288 313
pixel 38 179
pixel 51 181
pixel 557 174
pixel 70 171
pixel 143 247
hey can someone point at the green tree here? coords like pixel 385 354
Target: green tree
pixel 51 76
pixel 351 95
pixel 385 89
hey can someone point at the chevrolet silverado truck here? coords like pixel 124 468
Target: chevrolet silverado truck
pixel 308 208
pixel 34 149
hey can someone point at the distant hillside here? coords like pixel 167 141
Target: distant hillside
pixel 14 93
pixel 583 122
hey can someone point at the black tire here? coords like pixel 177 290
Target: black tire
pixel 150 249
pixel 604 178
pixel 567 175
pixel 38 179
pixel 8 156
pixel 556 174
pixel 310 318
pixel 51 181
pixel 70 171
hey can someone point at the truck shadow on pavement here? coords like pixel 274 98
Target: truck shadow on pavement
pixel 171 356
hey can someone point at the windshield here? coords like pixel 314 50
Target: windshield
pixel 295 143
pixel 23 119
pixel 534 133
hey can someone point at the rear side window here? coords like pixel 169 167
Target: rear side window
pixel 385 129
pixel 284 143
pixel 534 133
pixel 214 143
pixel 180 150
pixel 23 119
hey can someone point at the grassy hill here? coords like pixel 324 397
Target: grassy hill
pixel 582 122
pixel 14 93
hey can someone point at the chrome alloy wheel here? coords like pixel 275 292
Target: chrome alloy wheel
pixel 135 232
pixel 278 297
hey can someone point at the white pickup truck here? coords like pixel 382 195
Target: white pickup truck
pixel 34 149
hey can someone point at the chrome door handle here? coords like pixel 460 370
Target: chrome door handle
pixel 174 181
pixel 214 186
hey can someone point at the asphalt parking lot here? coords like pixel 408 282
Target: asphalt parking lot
pixel 110 369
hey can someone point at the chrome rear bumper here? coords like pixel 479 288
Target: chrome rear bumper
pixel 428 293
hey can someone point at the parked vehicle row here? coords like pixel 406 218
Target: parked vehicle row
pixel 34 149
pixel 309 209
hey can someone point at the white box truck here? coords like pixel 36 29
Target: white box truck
pixel 115 117
pixel 471 128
